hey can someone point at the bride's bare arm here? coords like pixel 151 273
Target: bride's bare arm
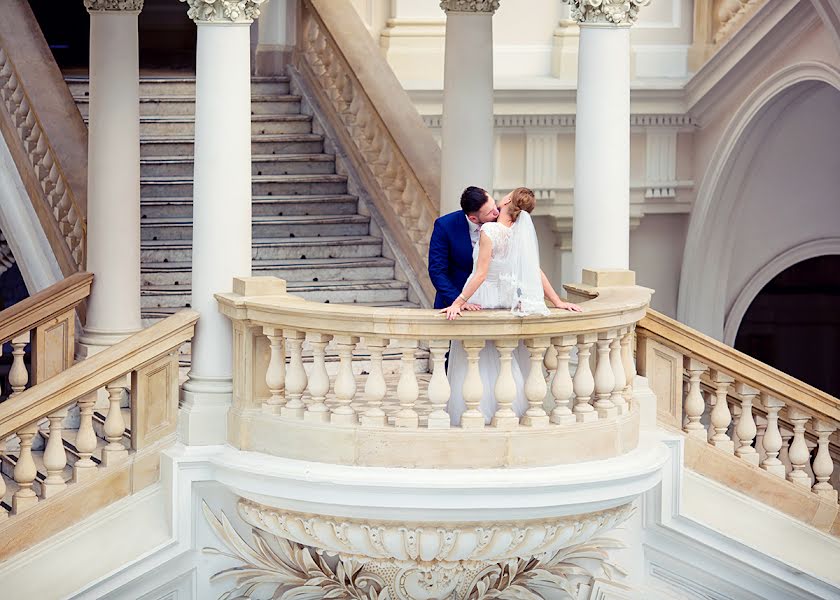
pixel 485 247
pixel 554 298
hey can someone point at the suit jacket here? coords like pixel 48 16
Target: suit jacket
pixel 450 257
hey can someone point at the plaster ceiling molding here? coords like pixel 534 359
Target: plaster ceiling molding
pixel 7 259
pixel 223 11
pixel 315 556
pixel 615 12
pixel 114 5
pixel 470 6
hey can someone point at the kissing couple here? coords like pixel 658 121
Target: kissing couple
pixel 486 256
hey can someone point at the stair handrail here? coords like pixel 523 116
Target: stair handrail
pixel 92 374
pixel 380 127
pixel 45 134
pixel 749 370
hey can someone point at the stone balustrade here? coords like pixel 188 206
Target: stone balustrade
pixel 309 380
pixel 762 423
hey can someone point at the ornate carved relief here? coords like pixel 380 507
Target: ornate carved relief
pixel 414 209
pixel 120 5
pixel 470 6
pixel 308 556
pixel 7 259
pixel 223 11
pixel 617 12
pixel 56 192
pixel 731 15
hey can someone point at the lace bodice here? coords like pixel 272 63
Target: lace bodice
pixel 499 236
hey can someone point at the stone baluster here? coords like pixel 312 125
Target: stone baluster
pixel 787 436
pixel 535 385
pixel 721 417
pixel 25 472
pixel 407 389
pixel 55 457
pixel 823 464
pixel 620 377
pixel 735 411
pixel 561 386
pixel 296 380
pixel 375 388
pixel 746 429
pixel 772 440
pixel 798 452
pixel 583 382
pixel 695 405
pixel 275 373
pixel 550 364
pixel 761 429
pixel 604 379
pixel 505 388
pixel 84 467
pixel 3 512
pixel 345 381
pixel 629 362
pixel 18 375
pixel 439 389
pixel 114 427
pixel 473 389
pixel 319 380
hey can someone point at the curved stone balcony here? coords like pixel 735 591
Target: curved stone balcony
pixel 362 386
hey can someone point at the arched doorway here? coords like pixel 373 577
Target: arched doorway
pixel 793 323
pixel 166 34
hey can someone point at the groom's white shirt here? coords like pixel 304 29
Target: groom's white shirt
pixel 474 231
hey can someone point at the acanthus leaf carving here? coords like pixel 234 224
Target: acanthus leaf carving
pixel 616 12
pixel 114 5
pixel 223 11
pixel 470 6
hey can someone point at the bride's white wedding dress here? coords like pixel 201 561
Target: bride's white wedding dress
pixel 511 279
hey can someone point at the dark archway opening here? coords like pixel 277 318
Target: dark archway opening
pixel 794 323
pixel 166 34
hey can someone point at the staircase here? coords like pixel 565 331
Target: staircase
pixel 307 229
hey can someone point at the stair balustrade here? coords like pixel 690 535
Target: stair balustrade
pixel 715 23
pixel 90 460
pixel 375 122
pixel 285 407
pixel 747 425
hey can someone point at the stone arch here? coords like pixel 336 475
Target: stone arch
pixel 712 231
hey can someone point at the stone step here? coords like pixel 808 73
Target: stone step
pixel 271 164
pixel 263 227
pixel 181 86
pixel 261 206
pixel 281 143
pixel 261 185
pixel 310 269
pixel 336 292
pixel 162 251
pixel 260 124
pixel 261 104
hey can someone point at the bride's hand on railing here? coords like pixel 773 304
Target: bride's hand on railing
pixel 567 306
pixel 454 311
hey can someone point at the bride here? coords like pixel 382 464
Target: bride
pixel 506 274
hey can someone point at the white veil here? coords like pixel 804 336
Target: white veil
pixel 521 277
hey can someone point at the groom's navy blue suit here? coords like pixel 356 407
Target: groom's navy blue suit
pixel 450 257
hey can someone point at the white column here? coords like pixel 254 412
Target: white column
pixel 467 127
pixel 113 219
pixel 221 207
pixel 276 30
pixel 601 223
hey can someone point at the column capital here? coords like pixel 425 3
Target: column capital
pixel 470 6
pixel 223 11
pixel 608 12
pixel 114 5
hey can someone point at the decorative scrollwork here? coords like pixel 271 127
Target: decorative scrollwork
pixel 56 191
pixel 224 11
pixel 617 12
pixel 124 5
pixel 7 259
pixel 470 6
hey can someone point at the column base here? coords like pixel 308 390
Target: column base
pixel 94 341
pixel 202 420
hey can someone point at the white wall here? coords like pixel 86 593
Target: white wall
pixel 656 249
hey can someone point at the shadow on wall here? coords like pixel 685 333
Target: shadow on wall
pixel 794 325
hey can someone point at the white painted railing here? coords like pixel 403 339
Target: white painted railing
pixel 283 407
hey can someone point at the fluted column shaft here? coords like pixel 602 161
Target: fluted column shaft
pixel 113 204
pixel 467 124
pixel 221 245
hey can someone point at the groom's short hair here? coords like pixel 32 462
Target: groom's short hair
pixel 472 199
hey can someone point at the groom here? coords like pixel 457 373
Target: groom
pixel 451 246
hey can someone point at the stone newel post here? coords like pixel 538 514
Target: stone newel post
pixel 467 127
pixel 601 222
pixel 221 205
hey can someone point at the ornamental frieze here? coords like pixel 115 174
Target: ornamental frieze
pixel 616 12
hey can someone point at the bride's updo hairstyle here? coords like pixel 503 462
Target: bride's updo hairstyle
pixel 521 199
